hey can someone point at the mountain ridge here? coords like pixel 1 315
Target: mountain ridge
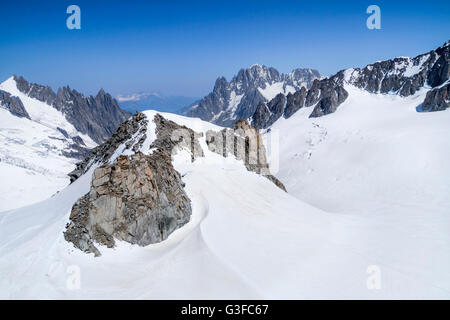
pixel 96 116
pixel 237 99
pixel 402 75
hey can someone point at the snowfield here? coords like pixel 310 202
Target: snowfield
pixel 32 165
pixel 272 90
pixel 367 191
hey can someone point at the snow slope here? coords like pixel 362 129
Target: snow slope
pixel 382 164
pixel 246 239
pixel 32 165
pixel 271 90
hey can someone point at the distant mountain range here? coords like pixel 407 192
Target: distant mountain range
pixel 239 98
pixel 154 101
pixel 401 76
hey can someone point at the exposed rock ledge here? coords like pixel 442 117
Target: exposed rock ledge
pixel 140 198
pixel 245 143
pixel 437 99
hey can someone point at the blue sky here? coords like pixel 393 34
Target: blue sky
pixel 180 48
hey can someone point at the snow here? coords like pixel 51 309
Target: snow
pixel 32 165
pixel 43 113
pixel 348 74
pixel 271 90
pixel 235 100
pixel 412 69
pixel 374 192
pixel 378 162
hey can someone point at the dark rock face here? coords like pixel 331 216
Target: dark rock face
pixel 138 199
pixel 267 113
pixel 36 91
pixel 404 76
pixel 260 118
pixel 239 98
pixel 97 117
pixel 437 99
pixel 332 94
pixel 294 102
pixel 245 143
pixel 13 104
pixel 63 132
pixel 76 151
pixel 326 94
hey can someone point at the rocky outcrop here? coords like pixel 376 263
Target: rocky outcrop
pixel 172 137
pixel 245 143
pixel 138 199
pixel 325 95
pixel 294 101
pixel 97 116
pixel 403 75
pixel 239 98
pixel 437 99
pixel 131 134
pixel 35 91
pixel 260 118
pixel 135 127
pixel 13 105
pixel 76 151
pixel 267 113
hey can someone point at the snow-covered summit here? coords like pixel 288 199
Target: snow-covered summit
pixel 238 98
pixel 399 76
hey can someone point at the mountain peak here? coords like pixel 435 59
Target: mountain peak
pixel 101 93
pixel 96 117
pixel 239 98
pixel 401 76
pixel 220 82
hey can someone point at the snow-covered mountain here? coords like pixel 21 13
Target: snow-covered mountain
pixel 246 237
pixel 238 99
pixel 43 135
pixel 400 76
pixel 345 194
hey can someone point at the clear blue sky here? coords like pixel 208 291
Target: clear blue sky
pixel 182 47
